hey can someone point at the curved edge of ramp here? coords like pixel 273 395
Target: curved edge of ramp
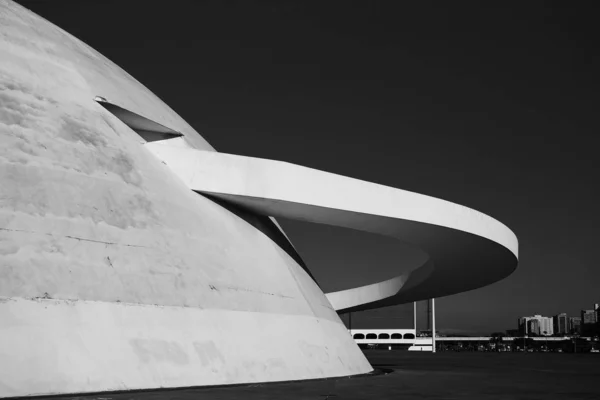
pixel 467 249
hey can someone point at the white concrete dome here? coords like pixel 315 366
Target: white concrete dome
pixel 133 256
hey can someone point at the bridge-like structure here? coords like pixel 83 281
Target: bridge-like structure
pixel 409 337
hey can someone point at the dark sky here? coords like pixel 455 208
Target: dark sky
pixel 493 106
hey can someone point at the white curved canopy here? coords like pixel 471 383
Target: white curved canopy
pixel 467 249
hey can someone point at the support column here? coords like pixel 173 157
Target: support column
pixel 433 325
pixel 415 317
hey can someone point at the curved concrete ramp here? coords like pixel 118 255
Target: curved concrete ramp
pixel 467 249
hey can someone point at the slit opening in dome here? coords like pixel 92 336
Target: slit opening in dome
pixel 149 130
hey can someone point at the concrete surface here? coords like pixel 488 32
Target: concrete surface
pixel 114 275
pixel 423 375
pixel 466 249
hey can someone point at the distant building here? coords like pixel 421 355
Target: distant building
pixel 574 325
pixel 533 327
pixel 560 323
pixel 521 326
pixel 542 326
pixel 597 328
pixel 588 322
pixel 588 317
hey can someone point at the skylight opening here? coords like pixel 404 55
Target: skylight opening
pixel 149 130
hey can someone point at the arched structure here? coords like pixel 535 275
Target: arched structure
pixel 132 253
pixel 456 238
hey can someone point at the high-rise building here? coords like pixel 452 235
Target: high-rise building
pixel 588 322
pixel 543 326
pixel 533 327
pixel 574 325
pixel 560 323
pixel 522 326
pixel 546 326
pixel 588 317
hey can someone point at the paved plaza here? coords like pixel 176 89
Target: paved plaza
pixel 408 375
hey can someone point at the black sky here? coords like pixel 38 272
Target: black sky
pixel 493 106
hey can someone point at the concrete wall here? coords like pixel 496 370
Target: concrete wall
pixel 114 275
pixel 57 346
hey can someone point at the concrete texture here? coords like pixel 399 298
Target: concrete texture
pixel 114 275
pixel 56 346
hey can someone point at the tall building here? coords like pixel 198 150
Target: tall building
pixel 560 323
pixel 533 327
pixel 522 326
pixel 574 325
pixel 588 317
pixel 542 326
pixel 546 326
pixel 588 322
